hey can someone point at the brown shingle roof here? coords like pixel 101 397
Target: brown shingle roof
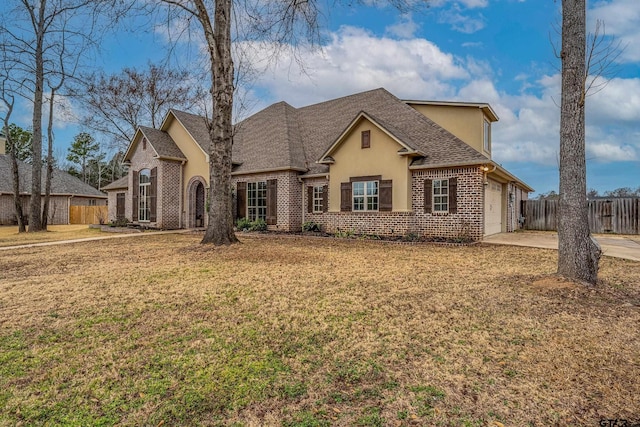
pixel 196 126
pixel 118 184
pixel 162 143
pixel 61 182
pixel 282 136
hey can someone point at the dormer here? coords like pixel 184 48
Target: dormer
pixel 469 121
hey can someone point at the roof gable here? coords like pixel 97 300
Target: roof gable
pixel 394 134
pixel 160 142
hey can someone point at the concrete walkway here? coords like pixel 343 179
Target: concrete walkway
pixel 627 247
pixel 89 239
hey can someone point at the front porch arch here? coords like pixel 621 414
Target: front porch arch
pixel 196 202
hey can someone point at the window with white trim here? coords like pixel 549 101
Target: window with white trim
pixel 317 199
pixel 487 136
pixel 144 199
pixel 365 195
pixel 257 200
pixel 441 195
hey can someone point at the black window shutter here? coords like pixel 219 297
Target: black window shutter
pixel 153 193
pixel 325 198
pixel 241 200
pixel 134 200
pixel 428 190
pixel 272 201
pixel 386 195
pixel 310 199
pixel 345 197
pixel 119 205
pixel 453 195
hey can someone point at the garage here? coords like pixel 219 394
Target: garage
pixel 492 208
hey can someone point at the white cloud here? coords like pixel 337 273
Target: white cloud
pixel 462 22
pixel 469 4
pixel 405 29
pixel 528 131
pixel 604 152
pixel 356 60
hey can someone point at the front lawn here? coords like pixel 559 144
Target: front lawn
pixel 294 331
pixel 9 235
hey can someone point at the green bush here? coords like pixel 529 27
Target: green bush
pixel 311 226
pixel 258 225
pixel 243 224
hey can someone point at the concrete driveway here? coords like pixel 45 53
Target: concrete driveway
pixel 627 247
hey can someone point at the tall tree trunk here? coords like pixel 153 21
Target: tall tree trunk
pixel 35 205
pixel 220 227
pixel 17 202
pixel 15 172
pixel 578 252
pixel 47 185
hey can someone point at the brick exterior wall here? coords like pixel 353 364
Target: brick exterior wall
pixel 168 190
pixel 467 222
pixel 169 194
pixel 113 201
pixel 289 189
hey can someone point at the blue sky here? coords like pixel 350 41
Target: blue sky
pixel 495 51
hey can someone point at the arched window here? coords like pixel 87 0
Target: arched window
pixel 144 204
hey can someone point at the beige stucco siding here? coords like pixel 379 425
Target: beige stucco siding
pixel 467 123
pixel 197 165
pixel 380 159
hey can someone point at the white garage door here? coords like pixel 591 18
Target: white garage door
pixel 492 208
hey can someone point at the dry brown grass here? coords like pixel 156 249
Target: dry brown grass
pixel 309 332
pixel 9 235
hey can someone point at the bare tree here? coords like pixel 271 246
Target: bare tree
pixel 115 105
pixel 281 25
pixel 578 251
pixel 36 37
pixel 9 102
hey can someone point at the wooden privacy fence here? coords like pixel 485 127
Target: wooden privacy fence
pixel 87 214
pixel 618 216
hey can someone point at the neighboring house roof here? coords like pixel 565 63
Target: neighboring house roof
pixel 61 182
pixel 122 183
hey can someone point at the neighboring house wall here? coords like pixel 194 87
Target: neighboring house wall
pixel 467 123
pixel 58 209
pixel 289 198
pixel 381 158
pixel 87 201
